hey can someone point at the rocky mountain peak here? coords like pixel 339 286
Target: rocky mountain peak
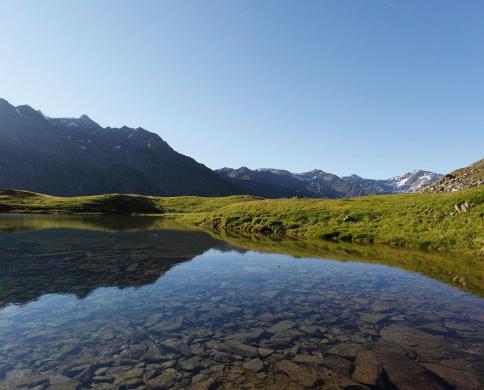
pixel 88 122
pixel 4 102
pixel 76 156
pixel 276 183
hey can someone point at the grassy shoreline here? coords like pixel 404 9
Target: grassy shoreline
pixel 420 221
pixel 463 271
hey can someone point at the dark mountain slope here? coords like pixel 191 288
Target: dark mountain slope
pixel 271 183
pixel 76 156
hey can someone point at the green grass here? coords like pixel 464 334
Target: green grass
pixel 422 221
pixel 16 201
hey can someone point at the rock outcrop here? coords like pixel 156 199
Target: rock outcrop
pixel 468 177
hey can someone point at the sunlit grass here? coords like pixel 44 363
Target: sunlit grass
pixel 423 221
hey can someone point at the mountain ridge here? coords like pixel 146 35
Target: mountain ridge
pixel 276 183
pixel 76 156
pixel 71 156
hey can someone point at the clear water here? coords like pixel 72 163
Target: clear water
pixel 118 305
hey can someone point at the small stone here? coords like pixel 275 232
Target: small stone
pixel 281 326
pixel 191 364
pixel 75 370
pixel 102 379
pixel 254 365
pixel 132 267
pixel 264 352
pixel 152 353
pixel 177 346
pixel 270 294
pixel 380 305
pixel 60 382
pixel 130 374
pixel 101 371
pixel 372 318
pixel 345 349
pixel 167 326
pixel 150 373
pixel 204 384
pixel 367 368
pixel 433 327
pixel 297 373
pixel 25 378
pixel 164 380
pixel 241 349
pixel 131 383
pixel 85 375
pixel 309 359
pixel 254 334
pixel 153 319
pixel 338 364
pixel 406 336
pixel 310 329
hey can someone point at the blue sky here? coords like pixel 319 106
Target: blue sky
pixel 373 87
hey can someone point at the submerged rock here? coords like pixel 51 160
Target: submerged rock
pixel 297 373
pixel 241 349
pixel 164 381
pixel 254 365
pixel 281 326
pixel 368 369
pixel 130 374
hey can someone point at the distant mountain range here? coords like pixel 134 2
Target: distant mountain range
pixel 276 183
pixel 76 156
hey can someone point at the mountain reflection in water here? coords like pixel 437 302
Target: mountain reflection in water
pixel 96 302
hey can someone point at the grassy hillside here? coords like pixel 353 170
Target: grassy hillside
pixel 424 221
pixel 30 202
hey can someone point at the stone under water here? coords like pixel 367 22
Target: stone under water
pixel 197 313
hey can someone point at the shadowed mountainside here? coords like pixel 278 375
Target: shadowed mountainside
pixel 76 156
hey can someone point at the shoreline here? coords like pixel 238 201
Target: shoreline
pixel 427 222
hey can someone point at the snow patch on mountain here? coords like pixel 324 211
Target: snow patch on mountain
pixel 414 180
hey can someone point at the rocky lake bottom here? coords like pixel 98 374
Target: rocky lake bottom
pixel 135 308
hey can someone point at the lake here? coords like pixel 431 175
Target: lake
pixel 142 303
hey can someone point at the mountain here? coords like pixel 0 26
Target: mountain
pixel 271 183
pixel 276 183
pixel 468 177
pixel 413 181
pixel 76 156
